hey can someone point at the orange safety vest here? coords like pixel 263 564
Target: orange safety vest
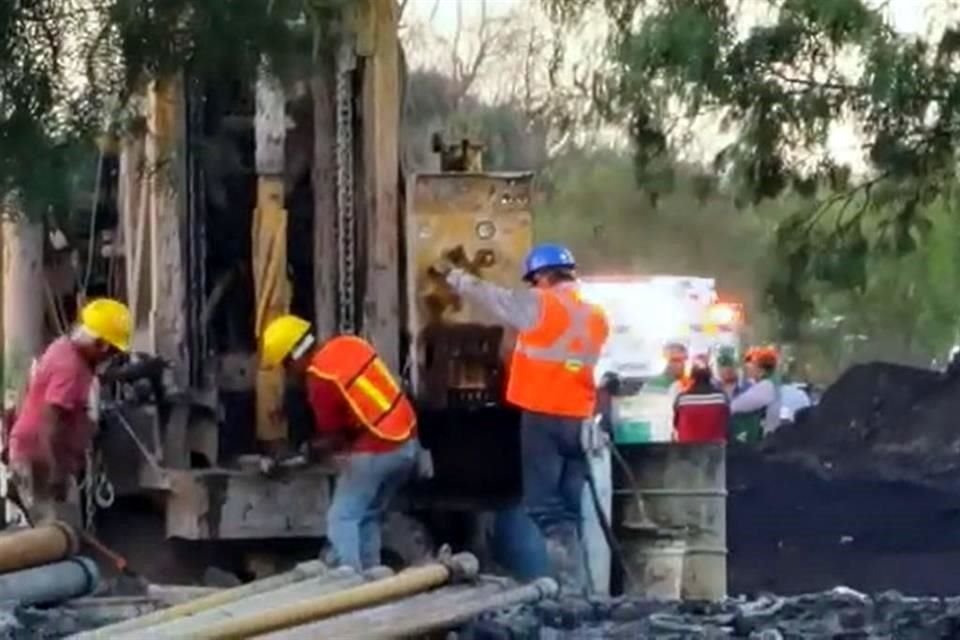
pixel 376 399
pixel 551 370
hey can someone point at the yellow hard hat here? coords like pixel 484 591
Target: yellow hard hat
pixel 279 339
pixel 109 320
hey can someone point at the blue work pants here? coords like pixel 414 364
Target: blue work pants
pixel 554 470
pixel 362 494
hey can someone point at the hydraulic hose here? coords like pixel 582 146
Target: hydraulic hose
pixel 608 535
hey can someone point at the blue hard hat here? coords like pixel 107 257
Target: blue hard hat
pixel 545 256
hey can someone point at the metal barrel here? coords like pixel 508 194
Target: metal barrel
pixel 683 488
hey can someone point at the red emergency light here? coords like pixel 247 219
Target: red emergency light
pixel 724 314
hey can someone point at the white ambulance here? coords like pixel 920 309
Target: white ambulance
pixel 646 313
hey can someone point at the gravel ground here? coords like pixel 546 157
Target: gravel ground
pixel 839 614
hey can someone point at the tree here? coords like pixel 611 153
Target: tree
pixel 780 88
pixel 505 75
pixel 68 67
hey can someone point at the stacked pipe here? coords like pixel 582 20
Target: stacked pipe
pixel 39 566
pixel 313 601
pixel 438 610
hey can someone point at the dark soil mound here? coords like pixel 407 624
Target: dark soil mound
pixel 883 420
pixel 791 530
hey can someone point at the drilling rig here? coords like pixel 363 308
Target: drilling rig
pixel 245 199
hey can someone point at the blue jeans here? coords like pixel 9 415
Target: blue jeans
pixel 363 492
pixel 554 470
pixel 518 545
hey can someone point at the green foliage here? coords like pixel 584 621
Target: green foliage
pixel 64 64
pixel 781 87
pixel 513 141
pixel 43 119
pixel 592 203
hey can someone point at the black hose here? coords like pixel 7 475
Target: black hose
pixel 611 539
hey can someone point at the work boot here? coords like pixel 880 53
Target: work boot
pixel 565 555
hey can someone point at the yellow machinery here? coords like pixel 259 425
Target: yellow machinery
pixel 458 348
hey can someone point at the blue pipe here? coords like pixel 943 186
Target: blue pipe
pixel 51 583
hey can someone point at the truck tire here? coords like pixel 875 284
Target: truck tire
pixel 406 542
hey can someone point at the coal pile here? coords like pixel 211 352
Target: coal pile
pixel 791 530
pixel 838 613
pixel 884 420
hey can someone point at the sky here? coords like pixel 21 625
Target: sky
pixel 911 16
pixel 908 16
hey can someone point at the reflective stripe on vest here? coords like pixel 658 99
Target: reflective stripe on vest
pixel 552 367
pixel 563 349
pixel 375 398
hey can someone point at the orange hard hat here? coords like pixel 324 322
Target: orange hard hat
pixel 762 356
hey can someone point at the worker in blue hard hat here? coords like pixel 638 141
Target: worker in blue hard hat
pixel 551 379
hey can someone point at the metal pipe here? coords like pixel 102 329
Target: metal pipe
pixel 301 572
pixel 44 544
pixel 425 613
pixel 368 620
pixel 50 583
pixel 406 583
pixel 171 594
pixel 337 580
pixel 458 614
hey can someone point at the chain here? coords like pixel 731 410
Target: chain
pixel 96 490
pixel 87 489
pixel 345 223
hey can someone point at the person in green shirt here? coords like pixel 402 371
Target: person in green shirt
pixel 728 374
pixel 671 380
pixel 756 411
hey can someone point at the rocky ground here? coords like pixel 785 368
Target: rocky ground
pixel 839 614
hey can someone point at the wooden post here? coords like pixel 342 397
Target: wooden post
pixel 269 237
pixel 23 283
pixel 323 88
pixel 377 41
pixel 166 172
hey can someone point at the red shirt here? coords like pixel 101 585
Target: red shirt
pixel 701 415
pixel 62 379
pixel 332 415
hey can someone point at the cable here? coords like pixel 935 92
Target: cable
pixel 611 539
pixel 92 240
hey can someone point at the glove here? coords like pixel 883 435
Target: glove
pixel 451 259
pixel 441 267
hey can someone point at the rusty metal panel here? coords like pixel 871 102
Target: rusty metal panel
pixel 238 505
pixel 490 216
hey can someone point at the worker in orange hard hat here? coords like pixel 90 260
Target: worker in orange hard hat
pixel 359 411
pixel 551 379
pixel 756 411
pixel 53 428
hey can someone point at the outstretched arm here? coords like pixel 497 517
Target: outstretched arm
pixel 519 308
pixel 755 398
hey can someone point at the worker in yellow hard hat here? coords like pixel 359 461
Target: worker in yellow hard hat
pixel 53 430
pixel 360 412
